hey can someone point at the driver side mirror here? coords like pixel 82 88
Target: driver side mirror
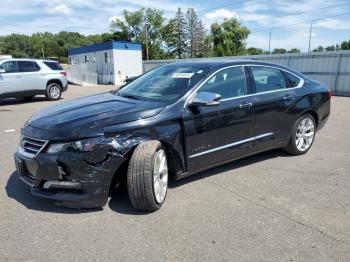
pixel 2 71
pixel 205 99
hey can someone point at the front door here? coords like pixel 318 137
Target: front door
pixel 10 80
pixel 216 133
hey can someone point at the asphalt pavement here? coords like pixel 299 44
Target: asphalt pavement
pixel 268 207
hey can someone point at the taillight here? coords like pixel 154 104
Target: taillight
pixel 330 93
pixel 64 73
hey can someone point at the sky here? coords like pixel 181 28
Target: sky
pixel 289 20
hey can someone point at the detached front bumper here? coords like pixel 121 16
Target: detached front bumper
pixel 70 178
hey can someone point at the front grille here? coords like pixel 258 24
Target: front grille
pixel 32 146
pixel 30 179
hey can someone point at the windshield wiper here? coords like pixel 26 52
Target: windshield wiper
pixel 129 96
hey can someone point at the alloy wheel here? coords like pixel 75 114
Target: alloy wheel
pixel 160 176
pixel 305 134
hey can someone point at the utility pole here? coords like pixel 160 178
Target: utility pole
pixel 43 52
pixel 146 40
pixel 310 38
pixel 270 41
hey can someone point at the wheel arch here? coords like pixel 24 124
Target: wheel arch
pixel 57 81
pixel 314 114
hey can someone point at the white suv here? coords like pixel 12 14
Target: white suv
pixel 26 78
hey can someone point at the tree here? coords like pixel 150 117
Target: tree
pixel 195 33
pixel 134 25
pixel 294 50
pixel 175 35
pixel 229 37
pixel 345 45
pixel 279 51
pixel 254 51
pixel 318 49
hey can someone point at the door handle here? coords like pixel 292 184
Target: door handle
pixel 245 105
pixel 288 98
pixel 18 76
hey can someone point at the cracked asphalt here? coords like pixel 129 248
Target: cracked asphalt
pixel 269 207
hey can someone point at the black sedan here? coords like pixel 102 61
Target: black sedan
pixel 173 121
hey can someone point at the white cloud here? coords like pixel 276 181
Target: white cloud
pixel 115 17
pixel 60 9
pixel 221 14
pixel 333 24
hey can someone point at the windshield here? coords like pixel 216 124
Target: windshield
pixel 166 83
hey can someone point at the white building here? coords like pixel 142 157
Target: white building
pixel 3 57
pixel 105 63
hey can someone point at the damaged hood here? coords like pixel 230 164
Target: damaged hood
pixel 93 112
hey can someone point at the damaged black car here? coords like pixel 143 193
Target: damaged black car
pixel 171 122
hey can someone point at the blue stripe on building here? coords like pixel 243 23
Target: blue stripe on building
pixel 105 46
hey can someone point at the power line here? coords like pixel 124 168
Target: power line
pixel 301 22
pixel 307 11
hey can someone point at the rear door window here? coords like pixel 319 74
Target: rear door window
pixel 268 79
pixel 27 66
pixel 53 65
pixel 10 67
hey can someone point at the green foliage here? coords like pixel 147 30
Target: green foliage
pixel 133 26
pixel 345 45
pixel 254 51
pixel 294 50
pixel 195 34
pixel 229 37
pixel 175 35
pixel 279 51
pixel 47 45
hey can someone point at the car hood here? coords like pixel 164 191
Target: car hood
pixel 88 115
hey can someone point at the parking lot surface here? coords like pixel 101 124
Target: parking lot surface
pixel 269 207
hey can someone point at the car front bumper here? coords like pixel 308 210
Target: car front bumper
pixel 68 178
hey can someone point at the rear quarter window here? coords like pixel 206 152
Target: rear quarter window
pixel 292 80
pixel 54 66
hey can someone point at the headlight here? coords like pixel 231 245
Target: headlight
pixel 87 145
pixel 55 148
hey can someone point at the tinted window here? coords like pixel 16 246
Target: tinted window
pixel 53 65
pixel 166 83
pixel 268 79
pixel 228 83
pixel 27 66
pixel 292 80
pixel 10 67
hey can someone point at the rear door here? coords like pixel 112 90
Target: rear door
pixel 217 133
pixel 33 79
pixel 271 103
pixel 10 81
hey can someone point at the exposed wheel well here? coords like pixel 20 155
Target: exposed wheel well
pixel 314 114
pixel 174 163
pixel 57 81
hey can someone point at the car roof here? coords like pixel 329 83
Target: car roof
pixel 214 64
pixel 28 59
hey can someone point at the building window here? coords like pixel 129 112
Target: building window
pixel 86 59
pixel 107 57
pixel 70 60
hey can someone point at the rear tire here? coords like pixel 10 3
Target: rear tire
pixel 147 177
pixel 303 135
pixel 53 91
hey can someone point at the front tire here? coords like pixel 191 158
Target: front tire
pixel 303 135
pixel 147 178
pixel 53 91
